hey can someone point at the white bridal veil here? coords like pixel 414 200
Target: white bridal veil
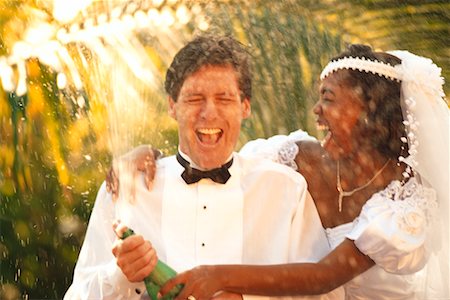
pixel 426 116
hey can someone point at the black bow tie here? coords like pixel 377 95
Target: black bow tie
pixel 192 175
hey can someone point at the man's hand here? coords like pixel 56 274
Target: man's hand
pixel 135 256
pixel 140 159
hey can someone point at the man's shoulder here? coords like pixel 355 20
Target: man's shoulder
pixel 165 161
pixel 252 166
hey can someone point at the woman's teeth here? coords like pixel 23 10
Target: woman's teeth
pixel 323 127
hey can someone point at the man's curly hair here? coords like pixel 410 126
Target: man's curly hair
pixel 209 50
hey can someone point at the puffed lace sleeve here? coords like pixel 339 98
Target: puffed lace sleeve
pixel 279 148
pixel 394 226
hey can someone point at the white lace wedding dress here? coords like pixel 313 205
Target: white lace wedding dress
pixel 392 229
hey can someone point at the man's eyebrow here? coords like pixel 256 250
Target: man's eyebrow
pixel 225 94
pixel 192 94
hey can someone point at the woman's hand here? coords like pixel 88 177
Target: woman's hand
pixel 142 158
pixel 203 282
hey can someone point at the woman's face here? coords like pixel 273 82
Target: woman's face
pixel 338 111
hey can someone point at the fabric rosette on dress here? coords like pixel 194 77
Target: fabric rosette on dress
pixel 393 227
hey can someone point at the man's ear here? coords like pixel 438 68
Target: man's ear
pixel 246 108
pixel 172 108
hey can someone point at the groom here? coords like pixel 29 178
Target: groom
pixel 208 205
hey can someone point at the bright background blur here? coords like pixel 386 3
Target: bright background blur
pixel 81 82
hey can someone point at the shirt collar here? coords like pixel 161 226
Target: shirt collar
pixel 193 164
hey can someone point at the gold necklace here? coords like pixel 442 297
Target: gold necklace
pixel 343 193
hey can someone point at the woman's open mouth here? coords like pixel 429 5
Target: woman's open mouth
pixel 326 132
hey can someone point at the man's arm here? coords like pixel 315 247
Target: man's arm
pixel 97 275
pixel 309 243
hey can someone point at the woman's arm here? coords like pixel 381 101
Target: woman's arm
pixel 140 159
pixel 143 157
pixel 337 268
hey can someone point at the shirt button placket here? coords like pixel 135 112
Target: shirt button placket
pixel 202 222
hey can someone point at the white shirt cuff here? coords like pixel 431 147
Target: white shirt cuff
pixel 121 285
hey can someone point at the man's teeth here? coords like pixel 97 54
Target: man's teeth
pixel 209 130
pixel 209 135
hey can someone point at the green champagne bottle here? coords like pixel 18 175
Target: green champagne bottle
pixel 160 275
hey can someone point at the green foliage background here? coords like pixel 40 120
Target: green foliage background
pixel 54 153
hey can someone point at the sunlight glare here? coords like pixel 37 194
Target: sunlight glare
pixel 65 11
pixel 183 15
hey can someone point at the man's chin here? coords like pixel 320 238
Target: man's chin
pixel 211 164
pixel 210 160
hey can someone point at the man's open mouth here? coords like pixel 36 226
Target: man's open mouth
pixel 209 136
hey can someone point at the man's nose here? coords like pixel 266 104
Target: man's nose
pixel 209 110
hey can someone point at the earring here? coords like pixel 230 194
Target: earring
pixel 366 121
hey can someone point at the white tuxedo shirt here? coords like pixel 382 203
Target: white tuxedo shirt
pixel 262 215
